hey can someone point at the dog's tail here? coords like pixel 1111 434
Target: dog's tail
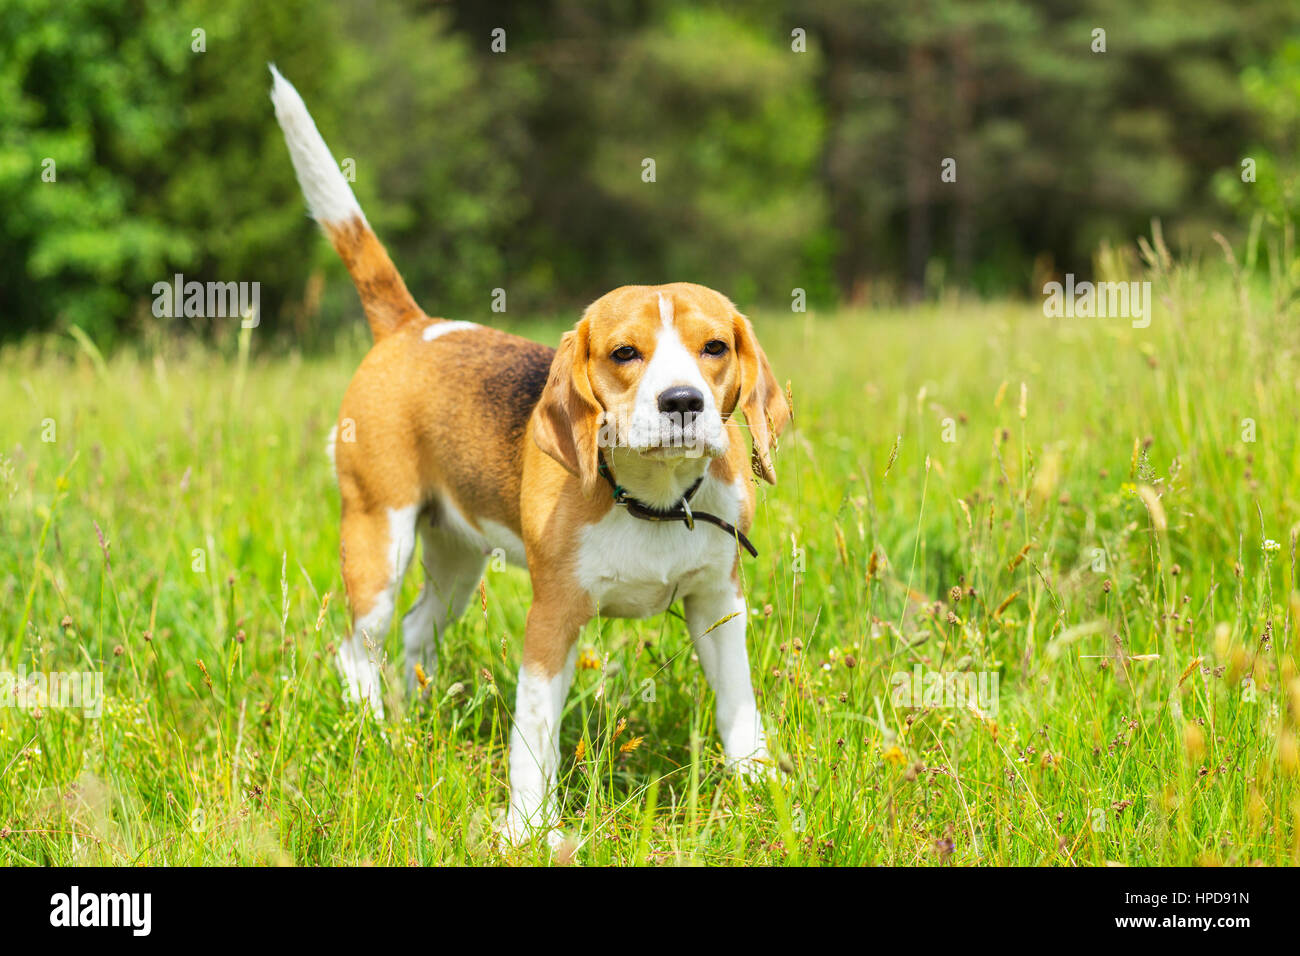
pixel 384 295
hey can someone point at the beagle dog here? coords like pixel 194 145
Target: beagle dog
pixel 613 468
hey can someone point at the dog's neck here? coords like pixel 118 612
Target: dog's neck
pixel 657 482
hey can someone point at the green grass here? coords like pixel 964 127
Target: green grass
pixel 1085 452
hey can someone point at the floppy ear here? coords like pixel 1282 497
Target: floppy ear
pixel 761 398
pixel 566 422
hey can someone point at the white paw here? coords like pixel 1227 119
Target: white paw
pixel 755 767
pixel 745 744
pixel 515 830
pixel 361 679
pixel 421 667
pixel 511 828
pixel 559 843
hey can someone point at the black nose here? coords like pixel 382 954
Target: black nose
pixel 681 399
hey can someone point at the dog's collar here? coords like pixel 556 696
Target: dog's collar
pixel 680 512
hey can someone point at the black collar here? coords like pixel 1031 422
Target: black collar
pixel 680 512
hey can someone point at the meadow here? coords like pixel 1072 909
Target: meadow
pixel 1101 517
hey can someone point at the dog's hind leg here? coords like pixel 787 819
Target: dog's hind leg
pixel 377 546
pixel 452 570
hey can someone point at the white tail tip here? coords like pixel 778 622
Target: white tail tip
pixel 329 197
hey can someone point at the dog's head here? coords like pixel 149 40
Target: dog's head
pixel 658 370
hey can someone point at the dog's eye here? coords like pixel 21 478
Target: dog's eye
pixel 624 353
pixel 715 347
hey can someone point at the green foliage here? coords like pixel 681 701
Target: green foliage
pixel 88 92
pixel 736 132
pixel 1273 89
pixel 1057 146
pixel 168 159
pixel 775 169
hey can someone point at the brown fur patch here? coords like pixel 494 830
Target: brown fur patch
pixel 384 295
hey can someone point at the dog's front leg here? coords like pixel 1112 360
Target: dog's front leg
pixel 717 621
pixel 550 651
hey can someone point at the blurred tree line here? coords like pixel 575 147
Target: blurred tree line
pixel 795 145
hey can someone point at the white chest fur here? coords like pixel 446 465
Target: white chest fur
pixel 635 568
